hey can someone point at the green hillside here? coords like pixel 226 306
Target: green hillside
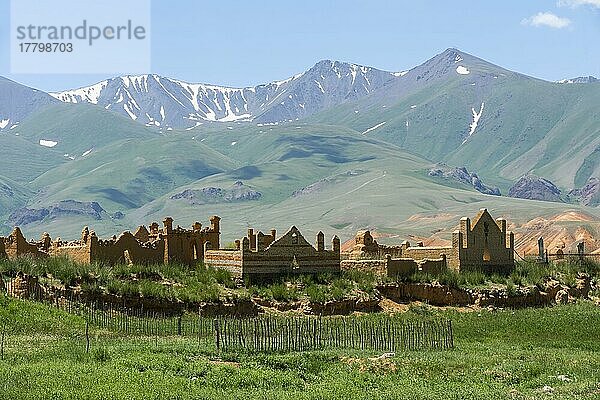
pixel 319 177
pixel 78 128
pixel 12 195
pixel 369 185
pixel 129 173
pixel 24 160
pixel 526 125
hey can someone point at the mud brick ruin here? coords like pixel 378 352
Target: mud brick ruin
pixel 259 256
pixel 483 244
pixel 146 246
pixel 15 245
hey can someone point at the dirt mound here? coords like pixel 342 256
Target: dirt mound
pixel 382 364
pixel 391 307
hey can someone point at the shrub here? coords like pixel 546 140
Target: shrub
pixel 360 277
pixel 223 277
pixel 323 278
pixel 337 293
pixel 316 293
pixel 152 289
pixel 281 292
pixel 450 278
pixel 511 289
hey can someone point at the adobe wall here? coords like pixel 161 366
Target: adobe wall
pixel 367 248
pixel 288 261
pixel 79 253
pixel 260 241
pixel 486 246
pixel 400 267
pixel 154 246
pixel 16 246
pixel 396 267
pixel 434 253
pixel 433 266
pixel 124 249
pixel 184 246
pixel 378 267
pixel 420 253
pixel 377 253
pixel 231 260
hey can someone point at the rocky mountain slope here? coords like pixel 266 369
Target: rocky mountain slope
pixel 535 188
pixel 462 175
pixel 155 100
pixel 464 111
pixel 589 194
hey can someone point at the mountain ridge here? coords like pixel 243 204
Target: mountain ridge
pixel 166 102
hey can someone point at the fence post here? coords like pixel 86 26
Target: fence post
pixel 199 327
pixel 87 338
pixel 179 325
pixel 2 344
pixel 217 334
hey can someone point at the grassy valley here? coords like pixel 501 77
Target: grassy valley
pixel 521 354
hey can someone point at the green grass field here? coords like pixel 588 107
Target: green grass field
pixel 524 354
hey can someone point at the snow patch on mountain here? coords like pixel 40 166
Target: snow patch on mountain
pixel 288 80
pixel 4 123
pixel 476 117
pixel 462 70
pixel 374 127
pixel 320 87
pixel 48 143
pixel 127 108
pixel 88 94
pixel 580 79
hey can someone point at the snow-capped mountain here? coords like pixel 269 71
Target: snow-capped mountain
pixel 580 79
pixel 170 103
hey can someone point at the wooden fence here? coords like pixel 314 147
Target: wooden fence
pixel 265 333
pixel 132 321
pixel 123 319
pixel 306 333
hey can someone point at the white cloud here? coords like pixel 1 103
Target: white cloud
pixel 547 19
pixel 577 3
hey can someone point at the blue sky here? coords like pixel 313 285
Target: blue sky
pixel 240 43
